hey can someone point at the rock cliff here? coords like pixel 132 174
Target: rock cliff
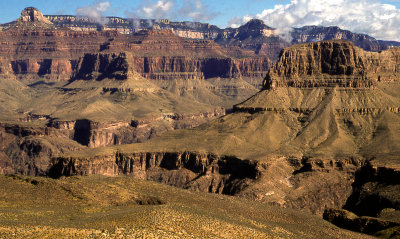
pixel 334 63
pixel 38 51
pixel 31 14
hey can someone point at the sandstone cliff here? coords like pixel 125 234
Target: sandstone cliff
pixel 334 63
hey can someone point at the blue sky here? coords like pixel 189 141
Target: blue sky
pixel 374 17
pixel 224 9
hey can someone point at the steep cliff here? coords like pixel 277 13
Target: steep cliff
pixel 333 63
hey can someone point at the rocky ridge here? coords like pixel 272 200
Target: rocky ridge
pixel 333 63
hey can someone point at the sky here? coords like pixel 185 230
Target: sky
pixel 378 18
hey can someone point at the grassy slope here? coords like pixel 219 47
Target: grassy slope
pixel 103 207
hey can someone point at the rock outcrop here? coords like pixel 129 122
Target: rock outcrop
pixel 334 63
pixel 254 36
pixel 31 14
pixel 368 225
pixel 196 171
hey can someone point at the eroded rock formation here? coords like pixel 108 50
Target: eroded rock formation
pixel 333 63
pixel 328 111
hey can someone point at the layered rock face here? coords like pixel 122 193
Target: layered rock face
pixel 254 35
pixel 159 68
pixel 31 14
pixel 197 171
pixel 31 49
pixel 335 63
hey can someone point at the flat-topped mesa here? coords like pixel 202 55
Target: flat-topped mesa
pixel 333 63
pixel 31 14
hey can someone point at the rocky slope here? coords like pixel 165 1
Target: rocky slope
pixel 123 207
pixel 328 112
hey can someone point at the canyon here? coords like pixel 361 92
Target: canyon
pixel 236 111
pixel 323 133
pixel 100 88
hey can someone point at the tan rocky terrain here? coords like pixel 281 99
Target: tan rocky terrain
pixel 123 207
pixel 323 133
pixel 321 136
pixel 102 88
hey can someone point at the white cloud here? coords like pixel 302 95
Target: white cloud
pixel 196 10
pixel 362 16
pixel 171 9
pixel 94 11
pixel 157 10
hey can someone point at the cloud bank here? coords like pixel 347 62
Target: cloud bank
pixel 171 9
pixel 362 16
pixel 94 11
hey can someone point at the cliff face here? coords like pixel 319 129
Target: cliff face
pixel 200 172
pixel 59 53
pixel 48 53
pixel 154 67
pixel 31 14
pixel 100 66
pixel 334 63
